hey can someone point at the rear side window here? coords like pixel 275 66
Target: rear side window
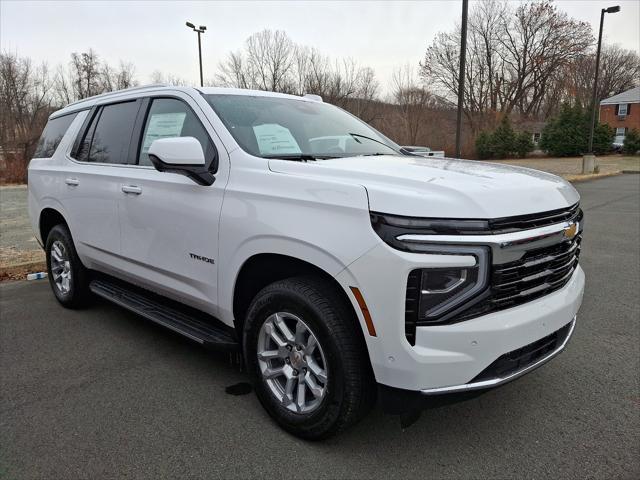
pixel 107 137
pixel 52 135
pixel 169 117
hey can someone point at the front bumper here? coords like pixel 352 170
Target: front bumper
pixel 497 380
pixel 447 358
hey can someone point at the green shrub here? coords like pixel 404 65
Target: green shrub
pixel 602 138
pixel 631 144
pixel 484 148
pixel 524 144
pixel 567 134
pixel 503 142
pixel 503 139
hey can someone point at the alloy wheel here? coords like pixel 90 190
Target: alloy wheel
pixel 60 267
pixel 292 362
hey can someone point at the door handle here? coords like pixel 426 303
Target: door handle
pixel 72 182
pixel 132 189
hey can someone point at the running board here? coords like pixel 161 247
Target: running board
pixel 191 323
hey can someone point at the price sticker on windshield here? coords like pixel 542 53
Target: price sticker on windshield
pixel 274 139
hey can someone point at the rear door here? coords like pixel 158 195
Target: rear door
pixel 99 163
pixel 169 224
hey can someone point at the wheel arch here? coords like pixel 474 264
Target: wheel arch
pixel 262 269
pixel 49 218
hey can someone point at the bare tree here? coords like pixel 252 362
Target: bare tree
pixel 63 86
pixel 85 74
pixel 25 102
pixel 619 71
pixel 363 104
pixel 513 56
pixel 271 61
pixel 265 64
pixel 159 77
pixel 412 99
pixel 123 77
pixel 29 94
pixel 233 72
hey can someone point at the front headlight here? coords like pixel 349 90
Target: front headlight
pixel 389 227
pixel 444 292
pixel 435 295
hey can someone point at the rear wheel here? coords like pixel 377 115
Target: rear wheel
pixel 68 277
pixel 307 358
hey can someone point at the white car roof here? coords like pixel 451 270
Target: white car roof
pixel 248 93
pixel 91 101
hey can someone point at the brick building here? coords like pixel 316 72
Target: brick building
pixel 622 113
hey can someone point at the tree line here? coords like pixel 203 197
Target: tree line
pixel 30 92
pixel 524 61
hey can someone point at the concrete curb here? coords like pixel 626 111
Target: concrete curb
pixel 588 177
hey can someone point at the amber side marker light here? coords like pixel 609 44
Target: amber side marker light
pixel 365 311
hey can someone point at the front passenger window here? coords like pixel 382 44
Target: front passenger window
pixel 168 118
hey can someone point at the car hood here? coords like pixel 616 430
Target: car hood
pixel 441 187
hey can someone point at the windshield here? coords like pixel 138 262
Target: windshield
pixel 272 127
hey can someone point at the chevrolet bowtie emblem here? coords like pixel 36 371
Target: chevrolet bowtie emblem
pixel 571 231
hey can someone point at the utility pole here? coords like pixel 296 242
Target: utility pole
pixel 199 30
pixel 463 58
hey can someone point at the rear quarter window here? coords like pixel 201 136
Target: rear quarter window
pixel 52 135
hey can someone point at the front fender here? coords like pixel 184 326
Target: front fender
pixel 270 244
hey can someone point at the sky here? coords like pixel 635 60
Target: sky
pixel 152 34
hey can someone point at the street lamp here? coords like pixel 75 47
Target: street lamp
pixel 199 30
pixel 463 58
pixel 614 9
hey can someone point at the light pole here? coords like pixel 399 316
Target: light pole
pixel 463 58
pixel 199 30
pixel 590 158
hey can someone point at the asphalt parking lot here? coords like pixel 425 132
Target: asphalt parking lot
pixel 102 393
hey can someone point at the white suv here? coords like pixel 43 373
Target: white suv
pixel 341 266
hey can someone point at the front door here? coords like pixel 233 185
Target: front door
pixel 169 224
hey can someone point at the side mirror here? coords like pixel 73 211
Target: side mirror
pixel 181 155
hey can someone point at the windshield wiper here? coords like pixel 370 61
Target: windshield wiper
pixel 300 157
pixel 357 135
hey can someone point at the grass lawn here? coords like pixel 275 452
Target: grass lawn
pixel 573 165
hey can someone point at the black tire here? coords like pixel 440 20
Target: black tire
pixel 350 386
pixel 78 294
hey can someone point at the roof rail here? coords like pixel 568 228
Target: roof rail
pixel 130 89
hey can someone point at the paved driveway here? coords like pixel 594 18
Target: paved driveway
pixel 102 393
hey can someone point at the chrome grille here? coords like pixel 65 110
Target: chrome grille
pixel 524 267
pixel 538 273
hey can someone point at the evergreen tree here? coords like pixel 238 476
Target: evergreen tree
pixel 484 147
pixel 503 142
pixel 503 139
pixel 524 144
pixel 631 144
pixel 567 134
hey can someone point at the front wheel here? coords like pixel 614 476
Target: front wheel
pixel 307 358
